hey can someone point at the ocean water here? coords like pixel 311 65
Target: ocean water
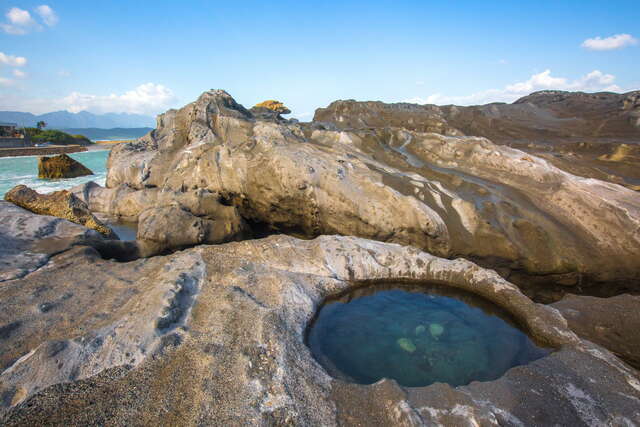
pixel 417 336
pixel 24 170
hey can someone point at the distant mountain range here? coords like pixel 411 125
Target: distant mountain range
pixel 81 120
pixel 114 134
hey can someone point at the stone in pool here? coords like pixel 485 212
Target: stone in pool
pixel 417 335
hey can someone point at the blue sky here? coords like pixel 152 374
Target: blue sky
pixel 144 57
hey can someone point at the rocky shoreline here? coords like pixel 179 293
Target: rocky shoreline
pixel 247 222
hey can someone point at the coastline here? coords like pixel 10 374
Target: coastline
pixel 41 151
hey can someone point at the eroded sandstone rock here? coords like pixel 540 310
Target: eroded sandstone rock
pixel 62 204
pixel 613 322
pixel 61 166
pixel 452 196
pixel 215 335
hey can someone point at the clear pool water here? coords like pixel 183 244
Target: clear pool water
pixel 24 170
pixel 417 335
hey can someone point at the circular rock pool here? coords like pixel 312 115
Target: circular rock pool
pixel 417 335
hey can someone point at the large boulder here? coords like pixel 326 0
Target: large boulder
pixel 452 196
pixel 62 204
pixel 216 335
pixel 168 228
pixel 61 166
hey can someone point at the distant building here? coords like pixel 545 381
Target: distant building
pixel 12 136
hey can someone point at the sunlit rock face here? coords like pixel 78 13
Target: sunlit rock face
pixel 449 195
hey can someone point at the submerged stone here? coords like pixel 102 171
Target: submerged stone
pixel 436 330
pixel 406 344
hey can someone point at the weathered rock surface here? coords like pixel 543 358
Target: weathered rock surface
pixel 452 196
pixel 574 131
pixel 61 166
pixel 613 322
pixel 215 335
pixel 62 204
pixel 27 241
pixel 545 115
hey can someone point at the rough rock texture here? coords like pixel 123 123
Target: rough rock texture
pixel 545 115
pixel 62 204
pixel 167 220
pixel 574 131
pixel 61 166
pixel 215 335
pixel 27 241
pixel 452 196
pixel 613 322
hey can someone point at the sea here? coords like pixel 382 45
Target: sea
pixel 24 170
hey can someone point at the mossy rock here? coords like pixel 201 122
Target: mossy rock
pixel 61 166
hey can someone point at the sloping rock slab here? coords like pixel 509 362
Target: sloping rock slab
pixel 215 335
pixel 27 240
pixel 61 166
pixel 613 322
pixel 62 204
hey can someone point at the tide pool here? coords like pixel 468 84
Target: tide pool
pixel 24 170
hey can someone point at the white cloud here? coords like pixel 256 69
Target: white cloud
pixel 503 61
pixel 5 81
pixel 47 14
pixel 149 99
pixel 12 61
pixel 592 82
pixel 618 41
pixel 19 74
pixel 19 22
pixel 64 73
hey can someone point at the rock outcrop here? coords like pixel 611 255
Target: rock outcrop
pixel 452 196
pixel 215 335
pixel 62 204
pixel 556 116
pixel 273 105
pixel 61 166
pixel 574 131
pixel 613 322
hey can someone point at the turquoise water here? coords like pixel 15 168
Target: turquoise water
pixel 24 170
pixel 417 336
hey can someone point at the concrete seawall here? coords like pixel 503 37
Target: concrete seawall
pixel 41 151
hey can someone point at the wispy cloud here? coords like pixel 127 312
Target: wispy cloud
pixel 617 41
pixel 148 98
pixel 591 82
pixel 47 14
pixel 20 21
pixel 19 74
pixel 12 61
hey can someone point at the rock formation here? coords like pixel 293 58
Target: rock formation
pixel 273 105
pixel 215 335
pixel 61 166
pixel 62 204
pixel 451 196
pixel 571 130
